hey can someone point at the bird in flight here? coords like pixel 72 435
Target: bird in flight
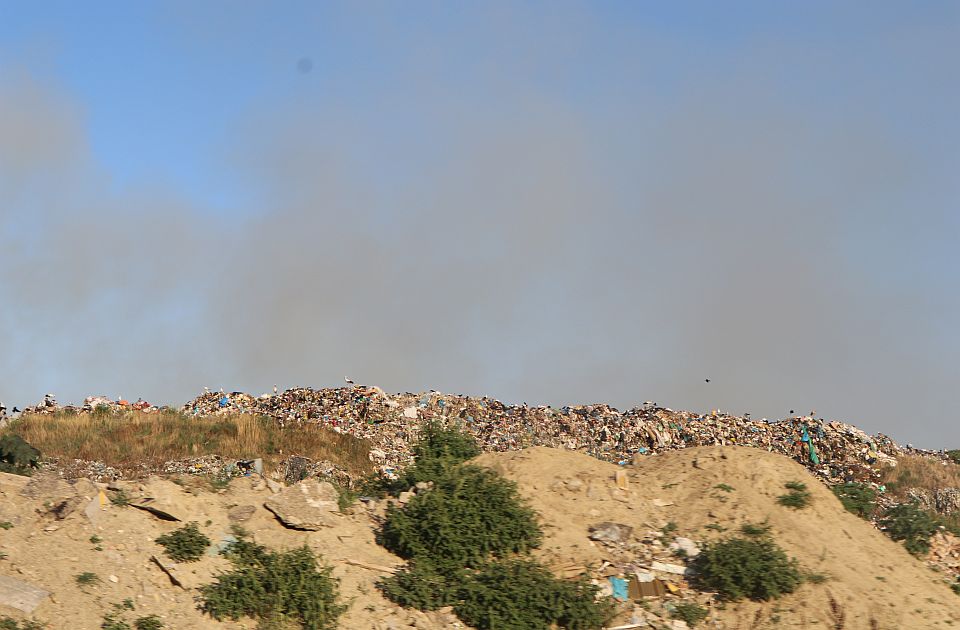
pixel 707 380
pixel 348 381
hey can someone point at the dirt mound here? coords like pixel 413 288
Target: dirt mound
pixel 53 531
pixel 873 582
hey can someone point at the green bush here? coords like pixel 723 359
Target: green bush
pixel 420 585
pixel 439 449
pixel 461 539
pixel 17 456
pixel 751 529
pixel 8 623
pixel 521 594
pixel 756 568
pixel 471 514
pixel 276 588
pixel 87 578
pixel 913 526
pixel 954 456
pixel 690 612
pixel 798 497
pixel 114 621
pixel 150 622
pixel 448 443
pixel 858 498
pixel 186 544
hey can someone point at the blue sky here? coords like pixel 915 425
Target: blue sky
pixel 551 202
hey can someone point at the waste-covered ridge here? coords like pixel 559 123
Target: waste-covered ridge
pixel 833 450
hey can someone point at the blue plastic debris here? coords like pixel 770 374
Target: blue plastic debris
pixel 619 588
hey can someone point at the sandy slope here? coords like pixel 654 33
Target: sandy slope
pixel 875 583
pixel 51 559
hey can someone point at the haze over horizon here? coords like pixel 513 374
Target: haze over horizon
pixel 556 203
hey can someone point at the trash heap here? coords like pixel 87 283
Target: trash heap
pixel 832 450
pixel 100 404
pixel 649 566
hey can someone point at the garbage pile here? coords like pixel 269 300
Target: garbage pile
pixel 835 451
pixel 100 404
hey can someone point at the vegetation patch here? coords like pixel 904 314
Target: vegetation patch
pixel 277 588
pixel 471 514
pixel 913 526
pixel 522 594
pixel 8 623
pixel 798 497
pixel 754 568
pixel 467 540
pixel 87 578
pixel 857 498
pixel 690 612
pixel 17 456
pixel 186 544
pixel 129 440
pixel 752 529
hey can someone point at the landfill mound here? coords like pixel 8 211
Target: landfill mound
pixel 833 450
pixel 872 582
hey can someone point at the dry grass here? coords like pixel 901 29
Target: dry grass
pixel 130 440
pixel 915 471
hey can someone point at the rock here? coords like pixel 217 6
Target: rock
pixel 610 532
pixel 274 486
pixel 63 509
pixel 404 497
pixel 661 503
pixel 686 545
pixel 163 499
pixel 574 485
pixel 240 513
pixel 423 486
pixel 305 505
pixel 20 595
pixel 47 486
pixel 113 578
pixel 679 624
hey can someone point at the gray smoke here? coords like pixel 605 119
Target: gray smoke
pixel 486 235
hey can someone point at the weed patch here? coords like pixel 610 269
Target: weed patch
pixel 690 612
pixel 798 497
pixel 186 544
